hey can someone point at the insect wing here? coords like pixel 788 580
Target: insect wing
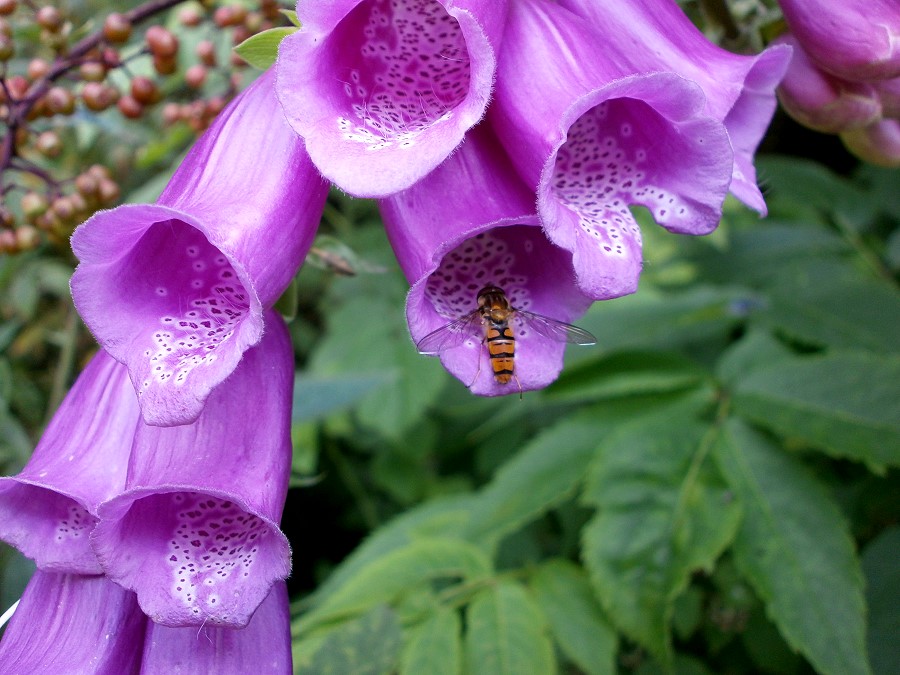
pixel 558 331
pixel 451 335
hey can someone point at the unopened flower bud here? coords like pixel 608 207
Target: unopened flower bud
pixel 17 86
pixel 48 144
pixel 171 113
pixel 190 17
pixel 877 144
pixel 165 65
pixel 27 237
pixel 33 204
pixel 206 52
pixel 37 68
pixel 117 28
pixel 130 107
pixel 60 101
pixel 63 208
pixel 161 42
pixel 8 242
pixel 99 171
pixel 195 76
pixel 144 90
pixel 92 71
pixel 7 7
pixel 98 96
pixel 109 191
pixel 7 48
pixel 49 18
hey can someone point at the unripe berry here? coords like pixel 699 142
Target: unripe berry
pixel 206 52
pixel 130 107
pixel 48 144
pixel 195 76
pixel 161 42
pixel 37 68
pixel 98 96
pixel 87 184
pixel 189 16
pixel 60 101
pixel 49 18
pixel 6 217
pixel 92 71
pixel 165 65
pixel 99 171
pixel 7 48
pixel 111 58
pixel 63 208
pixel 18 87
pixel 27 237
pixel 171 113
pixel 33 204
pixel 8 242
pixel 144 90
pixel 109 191
pixel 7 7
pixel 116 28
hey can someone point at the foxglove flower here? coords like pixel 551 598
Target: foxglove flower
pixel 878 143
pixel 50 508
pixel 591 135
pixel 469 224
pixel 852 40
pixel 263 646
pixel 195 533
pixel 656 35
pixel 176 290
pixel 68 623
pixel 821 101
pixel 383 90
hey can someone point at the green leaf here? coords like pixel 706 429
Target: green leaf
pixel 443 517
pixel 663 512
pixel 830 304
pixel 879 562
pixel 400 571
pixel 370 645
pixel 843 403
pixel 317 396
pixel 506 634
pixel 755 350
pixel 563 592
pixel 434 646
pixel 626 373
pixel 292 16
pixel 261 50
pixel 795 550
pixel 545 472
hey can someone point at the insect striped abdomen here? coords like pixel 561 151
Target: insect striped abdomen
pixel 501 349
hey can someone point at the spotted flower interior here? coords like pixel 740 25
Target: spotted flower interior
pixel 405 69
pixel 191 557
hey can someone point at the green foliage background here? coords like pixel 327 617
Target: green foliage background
pixel 713 488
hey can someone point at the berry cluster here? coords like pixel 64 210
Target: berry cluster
pixel 59 72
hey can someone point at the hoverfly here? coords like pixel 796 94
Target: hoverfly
pixel 493 322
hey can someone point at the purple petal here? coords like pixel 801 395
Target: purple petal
pixel 889 94
pixel 383 91
pixel 195 534
pixel 469 224
pixel 49 509
pixel 852 40
pixel 822 101
pixel 656 35
pixel 176 290
pixel 67 623
pixel 592 137
pixel 263 647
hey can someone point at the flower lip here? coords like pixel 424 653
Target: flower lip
pixel 192 557
pixel 628 144
pixel 383 91
pixel 184 308
pixel 514 255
